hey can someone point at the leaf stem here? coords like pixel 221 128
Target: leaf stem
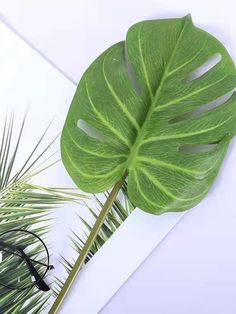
pixel 88 244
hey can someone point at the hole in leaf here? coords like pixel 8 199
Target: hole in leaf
pixel 204 68
pixel 204 108
pixel 90 131
pixel 196 149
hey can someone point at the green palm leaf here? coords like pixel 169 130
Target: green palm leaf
pixel 146 111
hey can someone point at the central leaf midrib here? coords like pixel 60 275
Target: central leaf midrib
pixel 135 148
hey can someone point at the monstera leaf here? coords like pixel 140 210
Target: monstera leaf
pixel 150 111
pixel 146 107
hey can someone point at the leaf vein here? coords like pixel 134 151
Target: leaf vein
pixel 144 66
pixel 187 62
pixel 196 92
pixel 119 101
pixel 93 175
pixel 104 121
pixel 143 195
pixel 163 188
pixel 89 151
pixel 184 135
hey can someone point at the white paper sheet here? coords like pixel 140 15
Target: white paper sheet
pixel 117 260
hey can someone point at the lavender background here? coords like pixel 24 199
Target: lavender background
pixel 193 270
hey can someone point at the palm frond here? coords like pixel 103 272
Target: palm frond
pixel 120 210
pixel 24 205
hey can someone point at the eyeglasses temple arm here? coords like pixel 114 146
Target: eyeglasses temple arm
pixel 39 282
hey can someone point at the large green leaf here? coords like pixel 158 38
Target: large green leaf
pixel 148 114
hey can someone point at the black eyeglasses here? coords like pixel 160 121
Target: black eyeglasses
pixel 24 260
